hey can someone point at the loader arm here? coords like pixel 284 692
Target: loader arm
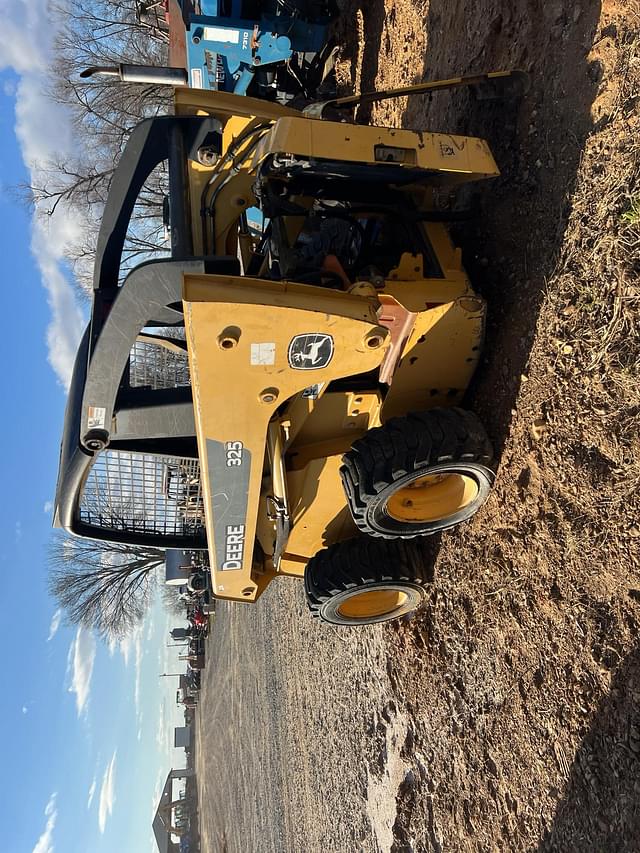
pixel 283 338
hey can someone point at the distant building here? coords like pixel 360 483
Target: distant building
pixel 182 737
pixel 179 564
pixel 167 820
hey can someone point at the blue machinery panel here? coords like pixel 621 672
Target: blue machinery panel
pixel 224 53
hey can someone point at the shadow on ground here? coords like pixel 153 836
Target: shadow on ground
pixel 511 250
pixel 373 19
pixel 600 809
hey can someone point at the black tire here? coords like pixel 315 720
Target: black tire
pixel 393 575
pixel 448 448
pixel 197 582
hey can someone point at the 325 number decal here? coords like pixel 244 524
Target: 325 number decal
pixel 234 453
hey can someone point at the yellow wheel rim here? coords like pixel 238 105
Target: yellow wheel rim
pixel 433 497
pixel 374 602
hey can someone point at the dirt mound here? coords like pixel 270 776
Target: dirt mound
pixel 521 674
pixel 506 715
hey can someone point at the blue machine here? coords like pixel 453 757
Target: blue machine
pixel 278 53
pixel 225 53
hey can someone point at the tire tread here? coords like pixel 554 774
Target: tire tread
pixel 403 444
pixel 361 562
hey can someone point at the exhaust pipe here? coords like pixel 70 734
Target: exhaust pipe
pixel 160 75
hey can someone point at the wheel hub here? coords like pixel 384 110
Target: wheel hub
pixel 433 497
pixel 372 603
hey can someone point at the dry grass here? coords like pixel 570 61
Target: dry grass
pixel 599 268
pixel 525 674
pixel 593 299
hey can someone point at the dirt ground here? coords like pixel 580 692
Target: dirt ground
pixel 292 729
pixel 506 714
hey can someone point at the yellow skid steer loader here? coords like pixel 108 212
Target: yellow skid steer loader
pixel 283 390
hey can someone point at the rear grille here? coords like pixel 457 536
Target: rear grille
pixel 155 366
pixel 143 493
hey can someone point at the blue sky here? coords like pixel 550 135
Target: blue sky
pixel 87 729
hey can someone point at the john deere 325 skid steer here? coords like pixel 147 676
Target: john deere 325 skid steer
pixel 286 396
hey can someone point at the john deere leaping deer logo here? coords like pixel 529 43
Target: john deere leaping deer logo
pixel 310 352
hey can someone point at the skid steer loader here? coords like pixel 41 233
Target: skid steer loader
pixel 288 400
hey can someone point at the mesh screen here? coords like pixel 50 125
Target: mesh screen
pixel 154 366
pixel 143 493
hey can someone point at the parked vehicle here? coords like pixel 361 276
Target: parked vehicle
pixel 329 357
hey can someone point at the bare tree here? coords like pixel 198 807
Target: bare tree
pixel 170 596
pixel 105 586
pixel 103 113
pixel 104 110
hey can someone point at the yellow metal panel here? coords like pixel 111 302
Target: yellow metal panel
pixel 199 177
pixel 466 156
pixel 337 414
pixel 318 507
pixel 292 565
pixel 224 104
pixel 440 355
pixel 416 296
pixel 449 257
pixel 232 196
pixel 239 336
pixel 278 294
pixel 265 526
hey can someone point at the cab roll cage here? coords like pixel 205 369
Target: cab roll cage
pixel 102 409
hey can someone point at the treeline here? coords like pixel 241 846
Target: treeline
pixel 103 112
pixel 104 586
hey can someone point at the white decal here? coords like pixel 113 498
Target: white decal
pixel 96 416
pixel 222 35
pixel 234 453
pixel 313 391
pixel 196 78
pixel 263 353
pixel 234 547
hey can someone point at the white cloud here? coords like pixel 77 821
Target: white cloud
pixel 48 507
pixel 67 324
pixel 130 647
pixel 45 842
pixel 151 626
pixel 92 791
pixel 25 710
pixel 138 669
pixel 82 654
pixel 56 619
pixel 44 131
pixel 130 642
pixel 162 731
pixel 107 794
pixel 124 645
pixel 112 645
pixel 15 50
